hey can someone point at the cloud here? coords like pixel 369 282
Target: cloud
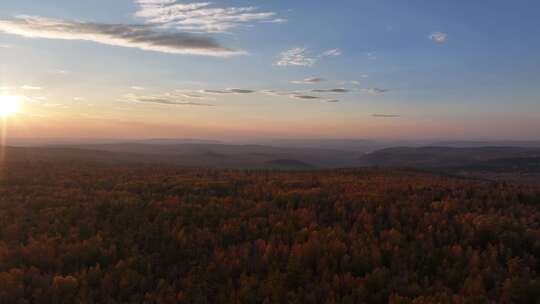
pixel 171 102
pixel 439 37
pixel 5 46
pixel 185 94
pixel 339 90
pixel 355 83
pixel 215 92
pixel 31 88
pixel 137 88
pixel 295 57
pixel 279 93
pixel 310 80
pixel 142 37
pixel 386 115
pixel 311 97
pixel 299 95
pixel 200 16
pixel 285 93
pixel 303 57
pixel 229 91
pixel 163 100
pixel 241 91
pixel 375 91
pixel 278 20
pixel 305 97
pixel 332 53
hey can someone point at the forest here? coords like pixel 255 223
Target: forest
pixel 84 232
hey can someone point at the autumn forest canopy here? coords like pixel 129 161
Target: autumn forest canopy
pixel 87 232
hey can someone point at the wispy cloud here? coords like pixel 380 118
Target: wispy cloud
pixel 201 16
pixel 339 90
pixel 163 100
pixel 229 91
pixel 439 37
pixel 142 37
pixel 277 20
pixel 171 102
pixel 386 115
pixel 311 97
pixel 303 57
pixel 31 88
pixel 241 91
pixel 310 80
pixel 178 96
pixel 332 53
pixel 375 91
pixel 296 57
pixel 188 94
pixel 215 92
pixel 355 83
pixel 298 95
pixel 137 88
pixel 279 93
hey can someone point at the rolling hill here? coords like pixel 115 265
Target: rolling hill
pixel 443 157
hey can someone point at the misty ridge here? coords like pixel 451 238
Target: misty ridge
pixel 470 158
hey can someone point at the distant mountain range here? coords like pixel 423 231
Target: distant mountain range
pixel 519 164
pixel 354 145
pixel 192 155
pixel 443 157
pixel 235 156
pixel 467 161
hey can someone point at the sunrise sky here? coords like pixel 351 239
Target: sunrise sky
pixel 267 69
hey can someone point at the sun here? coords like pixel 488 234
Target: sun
pixel 9 105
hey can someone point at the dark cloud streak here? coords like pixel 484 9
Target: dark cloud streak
pixel 164 100
pixel 143 37
pixel 340 90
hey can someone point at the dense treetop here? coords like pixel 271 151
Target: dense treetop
pixel 106 233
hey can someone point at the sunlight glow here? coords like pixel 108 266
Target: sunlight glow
pixel 9 105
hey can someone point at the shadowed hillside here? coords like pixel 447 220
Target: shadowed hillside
pixel 443 157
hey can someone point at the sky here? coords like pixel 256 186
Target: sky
pixel 387 69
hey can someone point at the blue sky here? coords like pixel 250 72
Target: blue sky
pixel 404 69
